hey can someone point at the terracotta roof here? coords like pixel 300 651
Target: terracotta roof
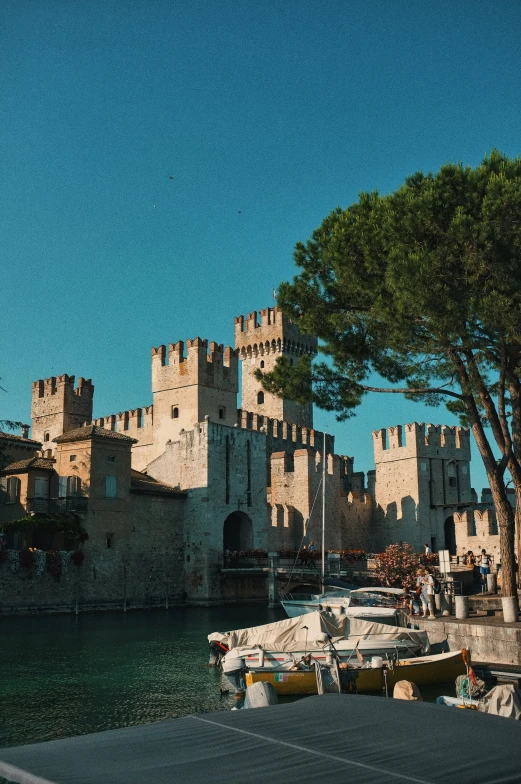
pixel 91 431
pixel 19 439
pixel 142 483
pixel 46 463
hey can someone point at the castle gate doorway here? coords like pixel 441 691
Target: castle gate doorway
pixel 450 535
pixel 237 532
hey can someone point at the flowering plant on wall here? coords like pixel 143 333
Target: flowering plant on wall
pixel 13 560
pixel 54 564
pixel 40 562
pixel 398 565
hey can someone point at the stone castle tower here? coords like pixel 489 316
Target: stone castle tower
pixel 58 406
pixel 188 389
pixel 259 347
pixel 421 481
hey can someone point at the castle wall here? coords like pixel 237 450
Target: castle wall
pixel 477 530
pixel 211 461
pixel 295 502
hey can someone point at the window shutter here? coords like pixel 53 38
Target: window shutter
pixel 110 486
pixel 62 487
pixel 73 485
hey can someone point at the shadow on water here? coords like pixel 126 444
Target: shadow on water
pixel 64 676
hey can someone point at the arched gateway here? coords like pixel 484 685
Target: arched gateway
pixel 449 529
pixel 237 532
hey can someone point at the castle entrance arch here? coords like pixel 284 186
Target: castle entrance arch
pixel 237 532
pixel 450 535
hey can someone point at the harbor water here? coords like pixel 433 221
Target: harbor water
pixel 64 675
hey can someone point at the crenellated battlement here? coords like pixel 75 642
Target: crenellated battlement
pixel 172 367
pixel 421 440
pixel 275 334
pixel 131 422
pixel 58 406
pixel 63 384
pixel 282 431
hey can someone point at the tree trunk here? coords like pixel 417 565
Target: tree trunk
pixel 506 525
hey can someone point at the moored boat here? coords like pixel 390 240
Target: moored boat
pixel 296 643
pixel 422 670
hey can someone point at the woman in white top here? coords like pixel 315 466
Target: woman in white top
pixel 428 588
pixel 484 566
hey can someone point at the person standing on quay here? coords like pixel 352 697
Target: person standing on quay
pixel 484 568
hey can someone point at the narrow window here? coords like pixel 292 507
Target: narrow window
pixel 13 489
pixel 262 363
pixel 46 437
pixel 289 461
pixel 221 413
pixel 227 470
pixel 109 539
pixel 72 458
pixel 175 412
pixel 248 469
pixel 125 424
pixel 260 398
pixel 111 459
pixel 140 418
pixel 110 486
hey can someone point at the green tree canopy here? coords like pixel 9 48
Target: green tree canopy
pixel 423 287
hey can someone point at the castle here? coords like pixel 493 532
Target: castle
pixel 164 490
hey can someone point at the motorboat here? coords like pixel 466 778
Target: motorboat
pixel 292 644
pixel 371 676
pixel 377 604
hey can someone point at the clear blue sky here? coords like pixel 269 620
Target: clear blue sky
pixel 266 114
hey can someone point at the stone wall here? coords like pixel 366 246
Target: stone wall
pixel 417 481
pixel 494 643
pixel 477 530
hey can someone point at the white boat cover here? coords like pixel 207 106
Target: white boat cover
pixel 338 738
pixel 292 634
pixel 503 700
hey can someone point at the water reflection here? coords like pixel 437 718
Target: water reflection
pixel 63 676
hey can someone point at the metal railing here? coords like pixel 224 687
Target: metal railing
pixel 50 505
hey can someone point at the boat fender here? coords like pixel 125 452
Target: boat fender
pixel 261 657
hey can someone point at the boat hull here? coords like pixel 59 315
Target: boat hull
pixel 294 608
pixel 424 671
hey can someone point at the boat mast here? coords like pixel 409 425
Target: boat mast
pixel 324 513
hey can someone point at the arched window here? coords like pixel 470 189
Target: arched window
pixel 221 413
pixel 175 412
pixel 262 363
pixel 260 398
pixel 46 436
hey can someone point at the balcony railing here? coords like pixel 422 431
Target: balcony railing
pixel 52 505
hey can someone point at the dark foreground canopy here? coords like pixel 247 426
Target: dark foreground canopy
pixel 330 738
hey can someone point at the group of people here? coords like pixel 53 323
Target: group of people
pixel 307 556
pixel 420 599
pixel 485 561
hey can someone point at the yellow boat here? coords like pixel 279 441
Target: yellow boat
pixel 423 670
